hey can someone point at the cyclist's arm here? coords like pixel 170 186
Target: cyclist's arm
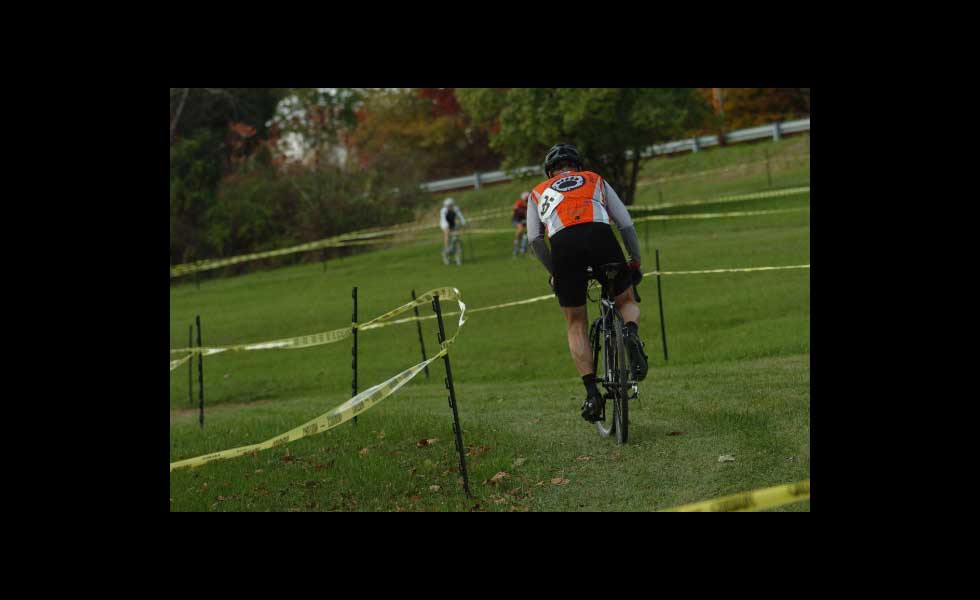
pixel 462 219
pixel 535 235
pixel 621 216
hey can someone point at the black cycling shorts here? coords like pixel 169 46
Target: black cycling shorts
pixel 577 247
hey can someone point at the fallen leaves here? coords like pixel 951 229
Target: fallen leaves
pixel 426 442
pixel 434 488
pixel 584 458
pixel 519 461
pixel 726 458
pixel 476 450
pixel 364 451
pixel 559 481
pixel 677 433
pixel 497 478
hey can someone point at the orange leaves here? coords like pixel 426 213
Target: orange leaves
pixel 243 129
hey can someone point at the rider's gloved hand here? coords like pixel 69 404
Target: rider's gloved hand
pixel 551 283
pixel 636 272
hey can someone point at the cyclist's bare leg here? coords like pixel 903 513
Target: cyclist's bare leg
pixel 627 306
pixel 578 337
pixel 517 238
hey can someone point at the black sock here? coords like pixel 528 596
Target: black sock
pixel 589 381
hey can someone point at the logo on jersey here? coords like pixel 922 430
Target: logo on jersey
pixel 568 183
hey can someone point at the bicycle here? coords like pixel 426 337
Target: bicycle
pixel 617 377
pixel 455 248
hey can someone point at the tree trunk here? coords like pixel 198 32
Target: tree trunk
pixel 180 109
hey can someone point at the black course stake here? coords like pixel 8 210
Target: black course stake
pixel 660 300
pixel 200 371
pixel 421 341
pixel 457 431
pixel 353 385
pixel 190 366
pixel 768 176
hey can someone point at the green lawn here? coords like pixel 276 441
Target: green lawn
pixel 737 381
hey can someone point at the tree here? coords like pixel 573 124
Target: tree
pixel 312 125
pixel 611 127
pixel 739 108
pixel 212 132
pixel 423 132
pixel 193 109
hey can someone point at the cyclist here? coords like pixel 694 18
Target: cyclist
pixel 519 219
pixel 451 220
pixel 576 206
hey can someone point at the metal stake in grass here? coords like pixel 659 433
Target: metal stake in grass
pixel 421 341
pixel 660 300
pixel 353 385
pixel 457 430
pixel 200 371
pixel 768 176
pixel 190 366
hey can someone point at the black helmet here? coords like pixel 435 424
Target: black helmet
pixel 561 153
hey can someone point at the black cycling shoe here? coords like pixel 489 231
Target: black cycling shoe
pixel 637 357
pixel 592 408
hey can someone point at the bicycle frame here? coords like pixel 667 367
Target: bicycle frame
pixel 606 329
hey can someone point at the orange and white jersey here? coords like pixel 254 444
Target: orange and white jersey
pixel 570 198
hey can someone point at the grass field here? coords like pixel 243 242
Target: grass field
pixel 737 381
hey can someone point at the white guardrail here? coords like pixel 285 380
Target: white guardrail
pixel 774 131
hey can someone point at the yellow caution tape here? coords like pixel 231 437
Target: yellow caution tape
pixel 349 409
pixel 746 213
pixel 745 270
pixel 510 231
pixel 176 363
pixel 337 241
pixel 751 501
pixel 336 335
pixel 326 337
pixel 369 236
pixel 734 198
pixel 800 158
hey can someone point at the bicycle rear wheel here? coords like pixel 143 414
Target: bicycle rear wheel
pixel 615 354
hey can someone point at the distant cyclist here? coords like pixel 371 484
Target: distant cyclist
pixel 575 206
pixel 519 219
pixel 451 220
